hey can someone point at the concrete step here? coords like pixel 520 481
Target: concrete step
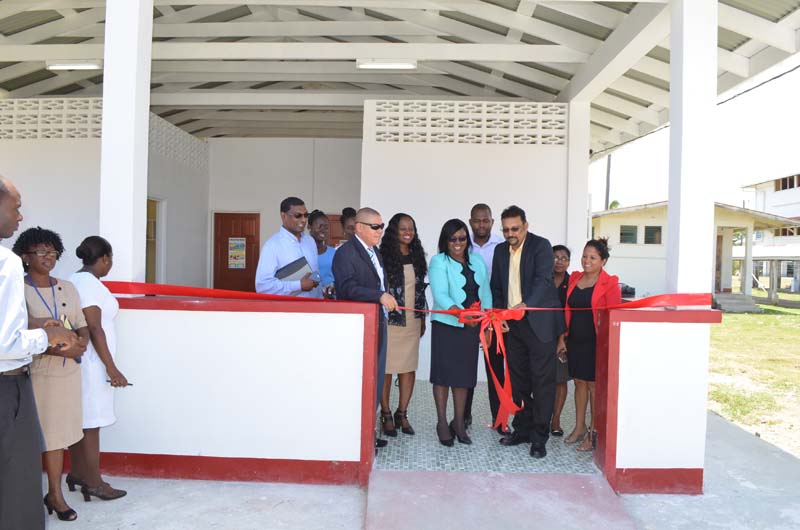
pixel 440 500
pixel 735 303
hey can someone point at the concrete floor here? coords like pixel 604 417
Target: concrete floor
pixel 749 484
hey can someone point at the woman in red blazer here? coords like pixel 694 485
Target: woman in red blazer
pixel 593 288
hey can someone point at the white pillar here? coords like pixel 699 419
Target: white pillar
pixel 726 265
pixel 747 266
pixel 693 93
pixel 796 277
pixel 578 213
pixel 126 108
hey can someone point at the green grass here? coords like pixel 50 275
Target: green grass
pixel 742 406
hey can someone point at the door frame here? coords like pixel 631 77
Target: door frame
pixel 210 242
pixel 161 237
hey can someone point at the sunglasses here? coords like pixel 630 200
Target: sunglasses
pixel 299 215
pixel 43 253
pixel 460 239
pixel 374 226
pixel 512 229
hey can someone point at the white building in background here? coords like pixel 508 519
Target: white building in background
pixel 638 235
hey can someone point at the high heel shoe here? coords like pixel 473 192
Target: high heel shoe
pixel 401 417
pixel 72 482
pixel 386 418
pixel 466 440
pixel 66 515
pixel 447 442
pixel 103 492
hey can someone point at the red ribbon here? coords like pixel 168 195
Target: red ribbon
pixel 491 319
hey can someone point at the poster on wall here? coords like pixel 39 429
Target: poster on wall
pixel 237 253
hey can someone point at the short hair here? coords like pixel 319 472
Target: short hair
pixel 480 207
pixel 92 249
pixel 514 211
pixel 288 202
pixel 451 227
pixel 315 215
pixel 37 236
pixel 366 211
pixel 347 213
pixel 564 248
pixel 600 245
pixel 3 188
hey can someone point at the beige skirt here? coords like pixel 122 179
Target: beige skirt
pixel 402 351
pixel 57 389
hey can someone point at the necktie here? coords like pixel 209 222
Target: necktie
pixel 374 259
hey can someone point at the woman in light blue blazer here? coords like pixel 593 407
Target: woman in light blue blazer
pixel 458 279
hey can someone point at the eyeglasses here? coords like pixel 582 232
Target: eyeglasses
pixel 43 253
pixel 460 239
pixel 512 229
pixel 561 258
pixel 374 226
pixel 299 215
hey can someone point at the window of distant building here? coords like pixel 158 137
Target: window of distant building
pixel 628 234
pixel 787 183
pixel 785 232
pixel 652 235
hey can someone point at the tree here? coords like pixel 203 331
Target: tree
pixel 613 205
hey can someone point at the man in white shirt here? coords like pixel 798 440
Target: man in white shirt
pixel 20 435
pixel 288 245
pixel 483 242
pixel 483 239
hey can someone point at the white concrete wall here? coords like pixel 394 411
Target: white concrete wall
pixel 663 385
pixel 184 190
pixel 256 174
pixel 436 182
pixel 640 266
pixel 236 394
pixel 59 180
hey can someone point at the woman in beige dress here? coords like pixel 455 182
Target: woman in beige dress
pixel 56 374
pixel 405 267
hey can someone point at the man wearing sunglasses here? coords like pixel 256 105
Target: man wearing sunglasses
pixel 522 276
pixel 358 274
pixel 290 248
pixel 20 438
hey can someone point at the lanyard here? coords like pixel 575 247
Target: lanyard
pixel 54 311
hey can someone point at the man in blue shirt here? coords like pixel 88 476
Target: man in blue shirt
pixel 288 245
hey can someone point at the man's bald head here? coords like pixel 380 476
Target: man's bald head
pixel 366 219
pixel 10 204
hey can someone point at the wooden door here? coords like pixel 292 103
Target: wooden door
pixel 336 234
pixel 236 248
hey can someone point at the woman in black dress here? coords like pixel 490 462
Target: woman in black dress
pixel 458 279
pixel 591 289
pixel 561 256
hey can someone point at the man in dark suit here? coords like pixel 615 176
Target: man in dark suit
pixel 358 276
pixel 522 276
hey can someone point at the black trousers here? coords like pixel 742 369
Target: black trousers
pixel 532 367
pixel 21 505
pixel 500 372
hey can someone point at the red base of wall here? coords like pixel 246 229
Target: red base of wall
pixel 234 469
pixel 681 481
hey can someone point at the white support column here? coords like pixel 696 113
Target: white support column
pixel 126 108
pixel 726 263
pixel 578 142
pixel 747 266
pixel 693 92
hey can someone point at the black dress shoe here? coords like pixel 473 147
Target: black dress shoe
pixel 538 451
pixel 513 439
pixel 502 431
pixel 380 442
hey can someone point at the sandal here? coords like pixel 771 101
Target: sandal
pixel 586 445
pixel 572 439
pixel 387 423
pixel 401 417
pixel 557 432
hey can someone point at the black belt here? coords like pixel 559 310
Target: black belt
pixel 23 370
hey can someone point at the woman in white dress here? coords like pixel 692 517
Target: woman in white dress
pixel 99 374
